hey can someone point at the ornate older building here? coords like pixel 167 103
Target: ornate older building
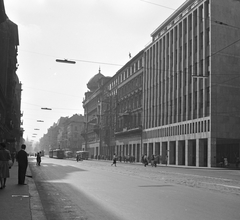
pixel 113 112
pixel 128 132
pixel 93 132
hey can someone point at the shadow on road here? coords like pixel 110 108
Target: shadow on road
pixel 155 186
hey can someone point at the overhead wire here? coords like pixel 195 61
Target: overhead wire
pixel 217 22
pixel 52 108
pixel 50 91
pixel 163 6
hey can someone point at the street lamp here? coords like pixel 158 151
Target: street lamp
pixel 46 108
pixel 65 61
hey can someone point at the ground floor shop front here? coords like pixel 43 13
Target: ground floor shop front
pixel 191 150
pixel 199 152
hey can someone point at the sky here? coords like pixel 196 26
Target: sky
pixel 97 34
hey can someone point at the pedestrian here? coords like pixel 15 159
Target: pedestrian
pixel 38 158
pixel 152 160
pixel 22 159
pixel 237 162
pixel 5 156
pixel 145 160
pixel 166 159
pixel 114 160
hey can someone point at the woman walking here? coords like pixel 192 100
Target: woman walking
pixel 4 165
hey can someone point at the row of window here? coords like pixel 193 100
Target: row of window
pixel 183 129
pixel 130 104
pixel 129 71
pixel 130 122
pixel 130 87
pixel 169 82
pixel 203 14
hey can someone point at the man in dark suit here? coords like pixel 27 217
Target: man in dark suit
pixel 22 159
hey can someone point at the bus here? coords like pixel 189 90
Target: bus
pixel 83 155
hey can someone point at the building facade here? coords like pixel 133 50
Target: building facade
pixel 10 86
pixel 191 85
pixel 93 104
pixel 74 126
pixel 113 113
pixel 65 134
pixel 128 132
pixel 179 97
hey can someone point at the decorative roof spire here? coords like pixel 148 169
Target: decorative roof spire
pixel 99 70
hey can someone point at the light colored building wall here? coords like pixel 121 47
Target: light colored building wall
pixel 191 82
pixel 225 66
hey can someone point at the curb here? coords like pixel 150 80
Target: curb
pixel 36 207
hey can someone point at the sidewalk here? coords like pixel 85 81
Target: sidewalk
pixel 20 202
pixel 230 167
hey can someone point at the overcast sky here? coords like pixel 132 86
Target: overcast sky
pixel 94 32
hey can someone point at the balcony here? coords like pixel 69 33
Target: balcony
pixel 84 135
pixel 127 131
pixel 96 129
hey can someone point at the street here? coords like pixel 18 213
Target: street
pixel 96 190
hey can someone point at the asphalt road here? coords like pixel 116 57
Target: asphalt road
pixel 96 190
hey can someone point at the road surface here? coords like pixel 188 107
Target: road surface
pixel 96 190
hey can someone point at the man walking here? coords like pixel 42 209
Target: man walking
pixel 114 160
pixel 22 159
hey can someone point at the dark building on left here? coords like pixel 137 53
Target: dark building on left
pixel 10 86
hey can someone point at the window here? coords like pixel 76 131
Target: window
pixel 196 43
pixel 190 22
pixel 190 102
pixel 190 48
pixel 195 100
pixel 207 36
pixel 201 98
pixel 190 74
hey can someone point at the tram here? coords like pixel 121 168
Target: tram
pixel 50 153
pixel 56 153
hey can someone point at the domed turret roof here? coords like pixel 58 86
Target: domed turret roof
pixel 93 82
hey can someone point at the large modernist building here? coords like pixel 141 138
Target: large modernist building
pixel 192 85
